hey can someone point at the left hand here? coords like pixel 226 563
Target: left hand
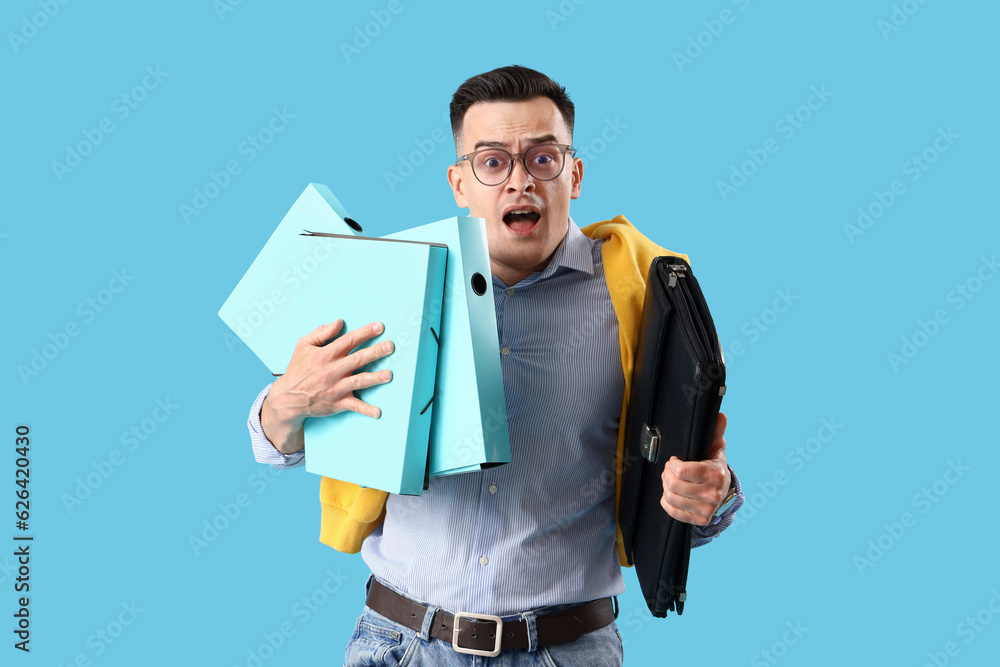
pixel 693 490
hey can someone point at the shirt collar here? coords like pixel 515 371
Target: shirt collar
pixel 573 252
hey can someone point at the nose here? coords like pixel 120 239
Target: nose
pixel 519 179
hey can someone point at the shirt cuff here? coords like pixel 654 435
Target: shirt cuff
pixel 263 450
pixel 702 535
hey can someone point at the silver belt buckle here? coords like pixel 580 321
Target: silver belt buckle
pixel 479 617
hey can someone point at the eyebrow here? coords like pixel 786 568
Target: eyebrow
pixel 544 139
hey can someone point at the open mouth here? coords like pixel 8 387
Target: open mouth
pixel 521 220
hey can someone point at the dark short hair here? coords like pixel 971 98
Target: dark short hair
pixel 513 83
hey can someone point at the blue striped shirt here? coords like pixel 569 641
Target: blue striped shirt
pixel 539 531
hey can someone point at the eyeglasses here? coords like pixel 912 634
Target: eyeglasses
pixel 493 166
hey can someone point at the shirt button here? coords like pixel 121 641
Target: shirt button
pixel 493 488
pixel 483 561
pixel 510 292
pixel 505 350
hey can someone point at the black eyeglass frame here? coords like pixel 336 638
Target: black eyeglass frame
pixel 566 148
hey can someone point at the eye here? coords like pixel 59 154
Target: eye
pixel 492 161
pixel 544 156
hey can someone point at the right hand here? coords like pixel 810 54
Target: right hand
pixel 321 379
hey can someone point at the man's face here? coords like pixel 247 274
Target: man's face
pixel 517 248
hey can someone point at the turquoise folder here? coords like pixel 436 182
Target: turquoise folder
pixel 469 431
pixel 300 281
pixel 255 310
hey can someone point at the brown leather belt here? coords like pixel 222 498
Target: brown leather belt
pixel 477 633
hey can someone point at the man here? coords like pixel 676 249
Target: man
pixel 532 542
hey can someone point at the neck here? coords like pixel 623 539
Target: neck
pixel 511 276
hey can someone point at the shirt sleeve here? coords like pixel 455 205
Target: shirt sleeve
pixel 263 450
pixel 702 535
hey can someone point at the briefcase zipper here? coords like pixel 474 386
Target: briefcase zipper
pixel 680 271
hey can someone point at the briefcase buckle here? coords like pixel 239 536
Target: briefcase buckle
pixel 650 442
pixel 478 617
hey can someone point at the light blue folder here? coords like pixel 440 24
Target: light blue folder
pixel 469 431
pixel 299 282
pixel 255 309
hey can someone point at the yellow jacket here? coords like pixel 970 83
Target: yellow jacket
pixel 350 512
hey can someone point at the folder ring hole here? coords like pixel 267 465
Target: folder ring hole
pixel 478 284
pixel 352 223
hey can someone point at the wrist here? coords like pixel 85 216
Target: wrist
pixel 277 410
pixel 730 497
pixel 283 432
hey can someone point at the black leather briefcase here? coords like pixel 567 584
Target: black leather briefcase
pixel 677 386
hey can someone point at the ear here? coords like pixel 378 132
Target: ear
pixel 576 176
pixel 457 183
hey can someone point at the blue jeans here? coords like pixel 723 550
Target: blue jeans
pixel 379 642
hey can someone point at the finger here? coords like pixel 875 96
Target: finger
pixel 367 355
pixel 699 472
pixel 682 510
pixel 364 380
pixel 355 404
pixel 324 332
pixel 350 340
pixel 718 445
pixel 706 496
pixel 682 487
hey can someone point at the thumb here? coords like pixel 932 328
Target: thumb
pixel 718 445
pixel 322 334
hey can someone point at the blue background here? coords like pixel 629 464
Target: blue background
pixel 816 547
